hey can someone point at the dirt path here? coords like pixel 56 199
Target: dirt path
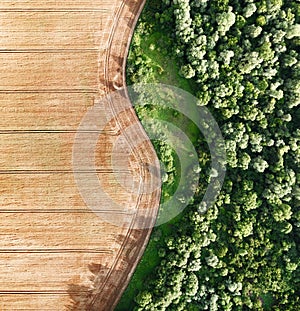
pixel 58 60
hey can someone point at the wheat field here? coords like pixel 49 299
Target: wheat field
pixel 58 60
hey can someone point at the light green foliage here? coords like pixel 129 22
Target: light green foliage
pixel 244 228
pixel 191 285
pixel 260 165
pixel 285 227
pixel 212 260
pixel 187 71
pixel 225 21
pixel 143 299
pixel 184 30
pixel 254 31
pixel 282 212
pixel 250 61
pixel 234 287
pixel 244 160
pixel 249 10
pixel 293 31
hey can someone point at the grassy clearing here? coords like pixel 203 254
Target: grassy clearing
pixel 155 48
pixel 165 69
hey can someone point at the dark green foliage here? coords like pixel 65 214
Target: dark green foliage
pixel 242 61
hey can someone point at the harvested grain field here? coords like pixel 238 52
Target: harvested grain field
pixel 66 245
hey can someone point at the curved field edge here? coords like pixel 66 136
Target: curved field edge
pixel 136 240
pixel 227 231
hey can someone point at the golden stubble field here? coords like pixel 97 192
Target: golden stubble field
pixel 57 60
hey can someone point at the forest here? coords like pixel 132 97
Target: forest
pixel 240 59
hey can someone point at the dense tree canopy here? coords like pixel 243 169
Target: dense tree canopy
pixel 242 58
